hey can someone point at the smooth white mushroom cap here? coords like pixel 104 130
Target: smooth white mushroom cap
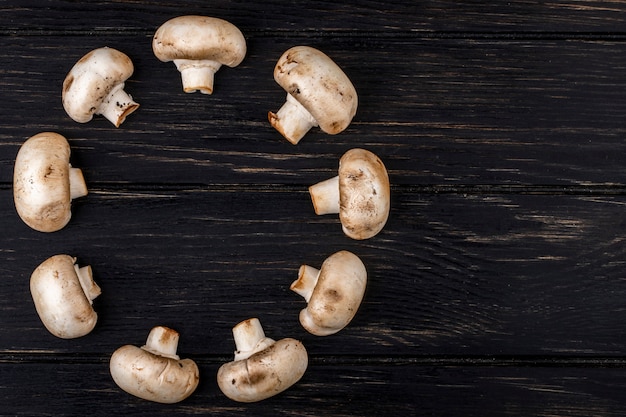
pixel 318 93
pixel 154 372
pixel 270 370
pixel 44 182
pixel 333 293
pixel 360 194
pixel 63 293
pixel 95 85
pixel 199 46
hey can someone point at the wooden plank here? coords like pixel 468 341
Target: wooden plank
pixel 340 390
pixel 300 19
pixel 451 112
pixel 450 274
pixel 496 286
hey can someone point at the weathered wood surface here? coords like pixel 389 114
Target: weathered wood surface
pixel 496 288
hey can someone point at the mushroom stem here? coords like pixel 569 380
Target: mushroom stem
pixel 197 74
pixel 307 279
pixel 89 286
pixel 325 196
pixel 78 188
pixel 117 105
pixel 249 338
pixel 292 120
pixel 162 341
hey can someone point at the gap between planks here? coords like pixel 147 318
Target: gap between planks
pixel 528 361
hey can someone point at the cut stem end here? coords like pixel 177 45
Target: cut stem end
pixel 292 120
pixel 117 105
pixel 325 196
pixel 162 341
pixel 197 75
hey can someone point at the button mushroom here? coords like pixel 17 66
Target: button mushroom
pixel 44 182
pixel 319 93
pixel 63 294
pixel 155 372
pixel 262 367
pixel 199 46
pixel 333 293
pixel 95 85
pixel 360 194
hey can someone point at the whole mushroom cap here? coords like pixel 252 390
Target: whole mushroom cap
pixel 63 298
pixel 154 371
pixel 364 194
pixel 336 293
pixel 44 182
pixel 93 79
pixel 319 85
pixel 265 373
pixel 199 38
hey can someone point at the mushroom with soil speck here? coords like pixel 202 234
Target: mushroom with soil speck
pixel 360 193
pixel 319 93
pixel 154 371
pixel 199 46
pixel 95 85
pixel 262 367
pixel 333 293
pixel 63 294
pixel 44 182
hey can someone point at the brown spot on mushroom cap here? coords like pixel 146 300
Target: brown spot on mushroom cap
pixel 364 194
pixel 67 83
pixel 320 85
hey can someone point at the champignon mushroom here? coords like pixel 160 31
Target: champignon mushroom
pixel 44 182
pixel 199 46
pixel 319 93
pixel 95 85
pixel 155 372
pixel 360 194
pixel 63 294
pixel 333 293
pixel 262 367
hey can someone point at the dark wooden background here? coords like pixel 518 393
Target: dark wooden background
pixel 496 288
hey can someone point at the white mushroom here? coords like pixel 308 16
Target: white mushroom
pixel 199 46
pixel 155 372
pixel 95 85
pixel 333 293
pixel 63 294
pixel 318 93
pixel 262 367
pixel 44 182
pixel 360 193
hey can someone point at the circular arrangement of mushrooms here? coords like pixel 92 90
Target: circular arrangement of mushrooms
pixel 320 94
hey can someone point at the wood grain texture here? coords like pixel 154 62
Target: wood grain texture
pixel 496 287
